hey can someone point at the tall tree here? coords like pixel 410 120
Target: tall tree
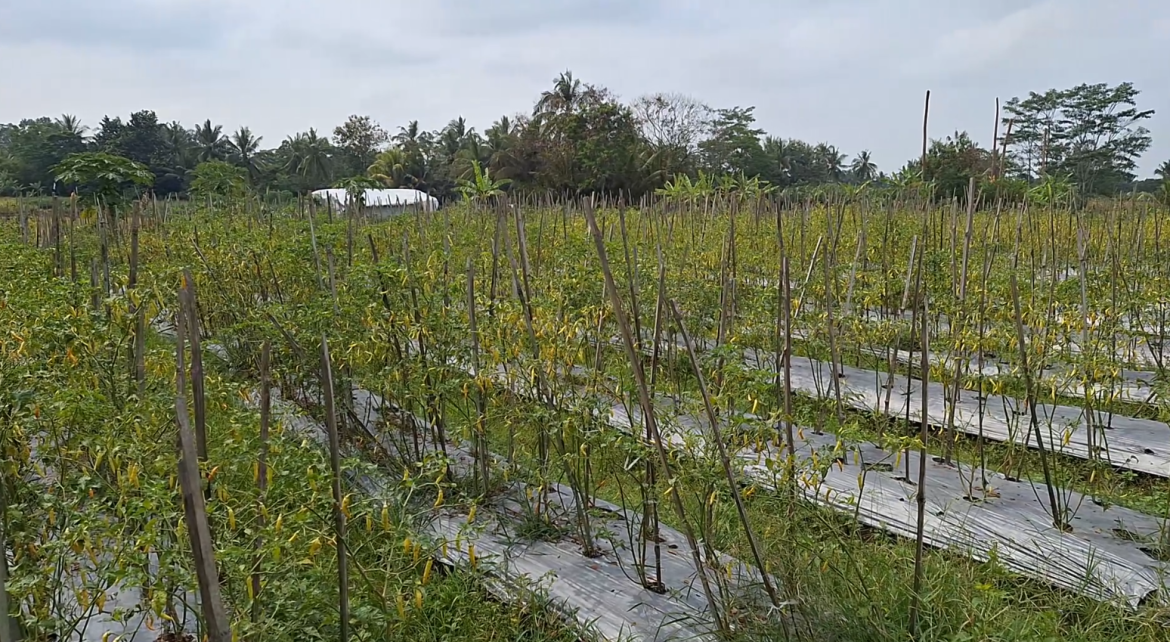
pixel 408 137
pixel 672 126
pixel 498 139
pixel 310 157
pixel 178 159
pixel 863 167
pixel 32 148
pixel 1090 133
pixel 210 143
pixel 734 143
pixel 71 125
pixel 831 161
pixel 1163 171
pixel 951 163
pixel 244 146
pixel 586 140
pixel 390 168
pixel 358 141
pixel 795 163
pixel 140 138
pixel 562 98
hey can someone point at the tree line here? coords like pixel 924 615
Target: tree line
pixel 579 138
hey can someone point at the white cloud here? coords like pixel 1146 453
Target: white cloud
pixel 848 73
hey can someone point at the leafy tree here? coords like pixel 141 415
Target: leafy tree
pixel 498 140
pixel 221 179
pixel 950 165
pixel 409 137
pixel 1161 186
pixel 672 126
pixel 776 160
pixel 32 148
pixel 103 178
pixel 358 141
pixel 1092 133
pixel 593 148
pixel 8 182
pixel 140 138
pixel 795 163
pixel 514 149
pixel 734 143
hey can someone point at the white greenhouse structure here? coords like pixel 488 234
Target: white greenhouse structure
pixel 381 203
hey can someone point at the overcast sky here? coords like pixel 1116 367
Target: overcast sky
pixel 852 73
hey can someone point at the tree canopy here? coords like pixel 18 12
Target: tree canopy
pixel 579 138
pixel 1091 134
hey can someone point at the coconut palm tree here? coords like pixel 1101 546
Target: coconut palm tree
pixel 209 142
pixel 390 167
pixel 1163 171
pixel 71 124
pixel 408 137
pixel 498 139
pixel 863 167
pixel 562 98
pixel 309 157
pixel 179 160
pixel 244 146
pixel 454 137
pixel 178 142
pixel 831 160
pixel 779 159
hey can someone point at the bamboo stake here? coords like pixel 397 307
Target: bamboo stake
pixel 338 513
pixel 481 453
pixel 139 311
pixel 724 459
pixel 959 359
pixel 9 627
pixel 651 424
pixel 1030 398
pixel 920 492
pixel 195 509
pixel 197 393
pixel 262 469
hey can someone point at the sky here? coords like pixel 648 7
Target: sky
pixel 851 73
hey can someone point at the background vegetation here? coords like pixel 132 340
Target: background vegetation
pixel 580 138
